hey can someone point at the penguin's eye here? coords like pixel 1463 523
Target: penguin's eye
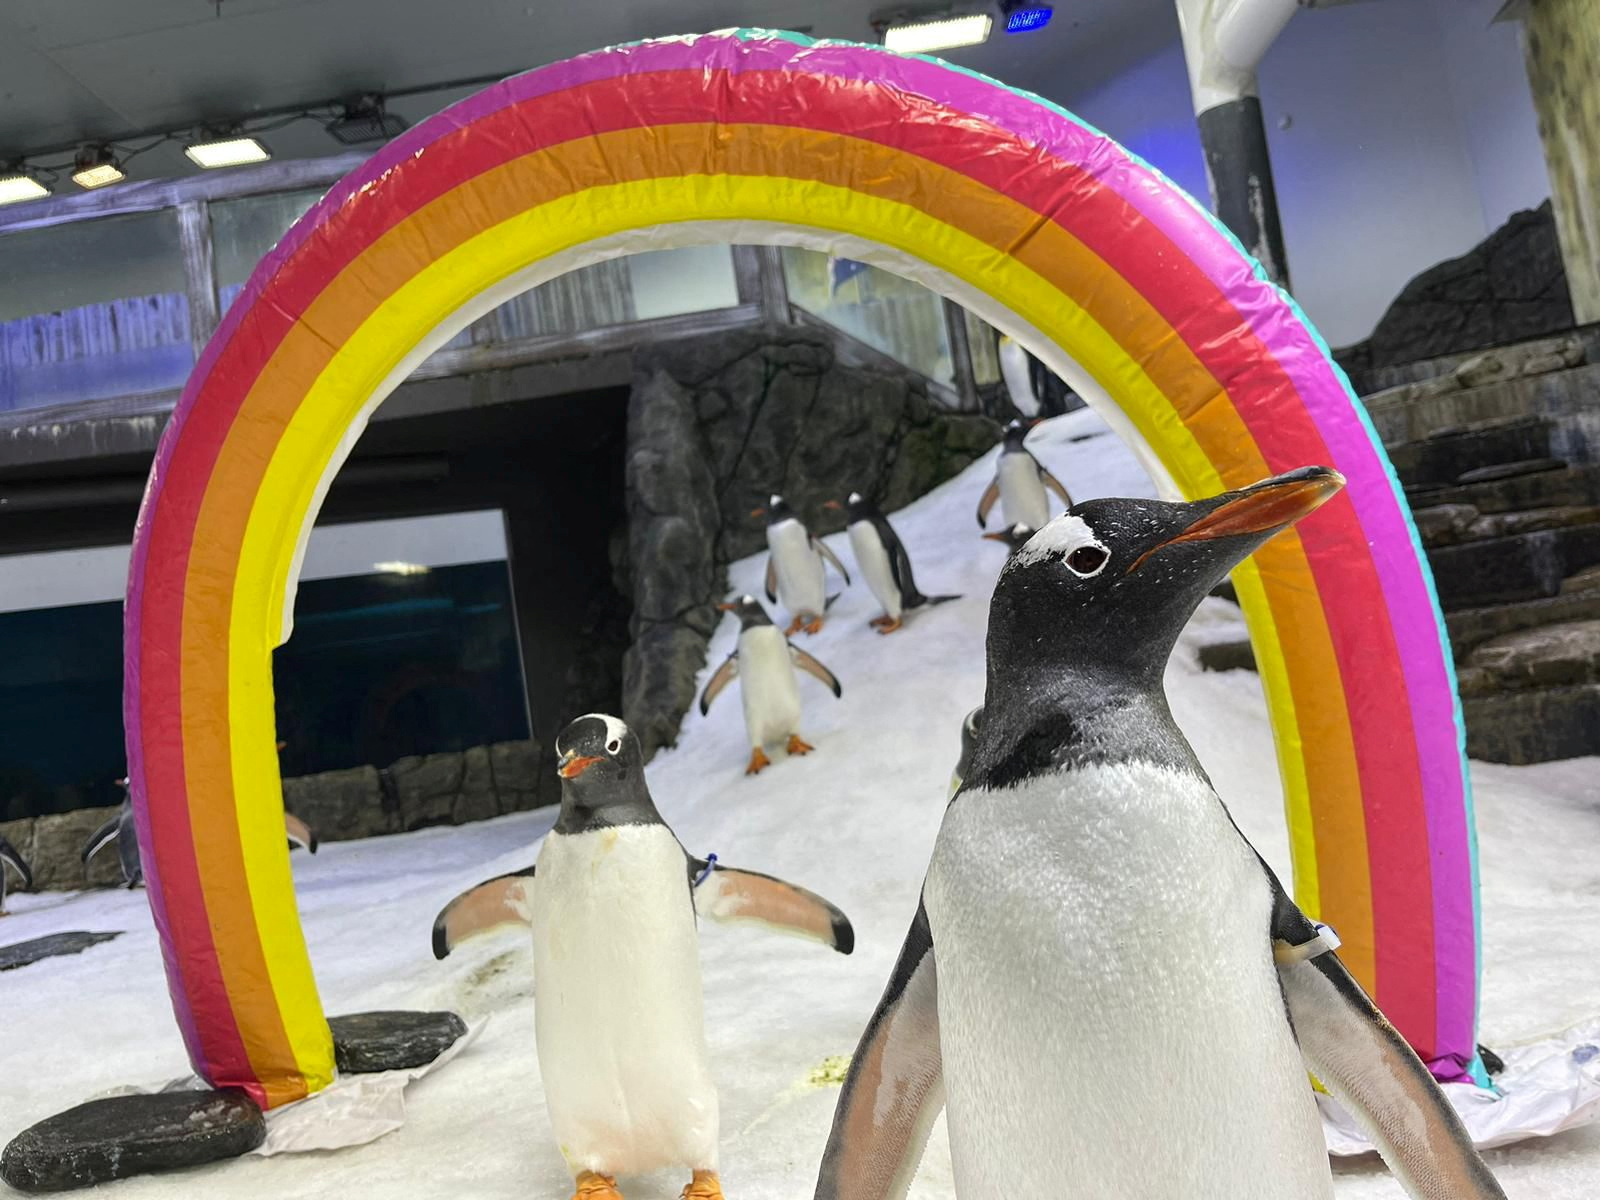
pixel 613 745
pixel 1087 560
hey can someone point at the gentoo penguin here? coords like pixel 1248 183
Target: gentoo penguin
pixel 1013 537
pixel 121 830
pixel 1019 483
pixel 1018 375
pixel 764 660
pixel 9 857
pixel 884 562
pixel 1105 984
pixel 969 740
pixel 794 567
pixel 618 1008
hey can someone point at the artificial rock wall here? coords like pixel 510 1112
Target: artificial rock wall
pixel 714 428
pixel 1563 56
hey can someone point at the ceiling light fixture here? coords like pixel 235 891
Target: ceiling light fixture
pixel 96 167
pixel 1029 18
pixel 365 119
pixel 939 33
pixel 226 151
pixel 401 568
pixel 17 183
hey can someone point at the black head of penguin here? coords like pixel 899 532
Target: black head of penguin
pixel 1103 591
pixel 751 613
pixel 602 776
pixel 778 510
pixel 1015 433
pixel 859 508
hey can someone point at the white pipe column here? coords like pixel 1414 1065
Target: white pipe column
pixel 1223 43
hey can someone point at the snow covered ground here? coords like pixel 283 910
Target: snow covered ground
pixel 855 821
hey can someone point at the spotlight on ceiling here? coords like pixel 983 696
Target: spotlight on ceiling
pixel 938 33
pixel 365 119
pixel 95 167
pixel 17 184
pixel 226 151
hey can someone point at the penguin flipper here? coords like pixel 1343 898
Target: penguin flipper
pixel 9 856
pixel 991 495
pixel 300 834
pixel 822 548
pixel 721 678
pixel 772 580
pixel 812 667
pixel 1368 1068
pixel 98 840
pixel 895 1086
pixel 730 896
pixel 1055 485
pixel 491 905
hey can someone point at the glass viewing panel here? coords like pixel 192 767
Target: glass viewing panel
pixel 91 310
pixel 893 315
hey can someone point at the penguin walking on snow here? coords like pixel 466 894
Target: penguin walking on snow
pixel 1019 483
pixel 1017 373
pixel 764 661
pixel 618 1009
pixel 883 560
pixel 11 858
pixel 1105 985
pixel 795 574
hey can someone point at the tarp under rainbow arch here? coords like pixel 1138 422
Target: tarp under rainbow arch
pixel 1007 203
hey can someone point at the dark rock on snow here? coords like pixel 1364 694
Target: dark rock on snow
pixel 131 1135
pixel 365 1043
pixel 54 945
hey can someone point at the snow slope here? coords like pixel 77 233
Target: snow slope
pixel 855 821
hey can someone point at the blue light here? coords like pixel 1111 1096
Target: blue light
pixel 1025 20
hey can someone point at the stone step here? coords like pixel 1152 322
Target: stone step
pixel 1534 725
pixel 1502 570
pixel 1443 458
pixel 1471 627
pixel 1457 524
pixel 1379 379
pixel 1549 488
pixel 1569 399
pixel 1543 656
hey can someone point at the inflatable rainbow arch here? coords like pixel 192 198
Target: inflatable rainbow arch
pixel 1043 225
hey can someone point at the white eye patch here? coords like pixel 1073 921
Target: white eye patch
pixel 1070 539
pixel 615 729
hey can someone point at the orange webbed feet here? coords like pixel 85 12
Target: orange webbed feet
pixel 758 760
pixel 591 1186
pixel 796 746
pixel 704 1186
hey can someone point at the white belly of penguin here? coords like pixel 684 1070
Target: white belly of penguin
pixel 1109 1015
pixel 618 1008
pixel 1022 496
pixel 767 686
pixel 800 581
pixel 874 560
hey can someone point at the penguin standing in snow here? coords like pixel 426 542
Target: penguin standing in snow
pixel 764 661
pixel 795 574
pixel 1019 483
pixel 618 1008
pixel 1105 985
pixel 121 830
pixel 884 562
pixel 10 857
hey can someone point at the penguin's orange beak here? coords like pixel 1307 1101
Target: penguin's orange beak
pixel 996 537
pixel 1266 507
pixel 832 504
pixel 571 768
pixel 758 512
pixel 727 606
